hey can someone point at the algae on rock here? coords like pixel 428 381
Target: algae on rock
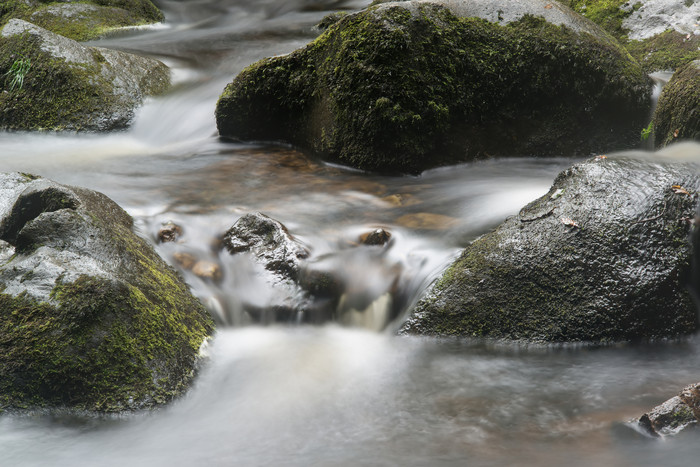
pixel 402 87
pixel 603 257
pixel 71 86
pixel 91 317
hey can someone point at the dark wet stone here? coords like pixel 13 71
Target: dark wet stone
pixel 604 256
pixel 169 233
pixel 270 243
pixel 91 317
pixel 375 237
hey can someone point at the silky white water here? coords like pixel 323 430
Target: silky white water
pixel 332 394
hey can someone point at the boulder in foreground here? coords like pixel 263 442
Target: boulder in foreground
pixel 603 257
pixel 90 316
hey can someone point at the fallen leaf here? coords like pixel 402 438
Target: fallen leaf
pixel 679 190
pixel 601 157
pixel 675 133
pixel 548 6
pixel 569 223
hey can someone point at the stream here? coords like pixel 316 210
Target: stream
pixel 346 392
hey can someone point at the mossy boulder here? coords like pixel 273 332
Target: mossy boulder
pixel 90 316
pixel 405 86
pixel 82 20
pixel 68 86
pixel 677 115
pixel 604 256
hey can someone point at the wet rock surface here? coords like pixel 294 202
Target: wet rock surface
pixel 603 257
pixel 674 415
pixel 439 88
pixel 91 317
pixel 68 86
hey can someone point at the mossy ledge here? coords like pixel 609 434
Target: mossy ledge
pixel 91 318
pixel 408 86
pixel 84 20
pixel 603 257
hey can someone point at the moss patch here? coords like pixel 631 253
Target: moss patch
pixel 402 91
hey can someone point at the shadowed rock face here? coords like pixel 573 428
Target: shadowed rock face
pixel 677 116
pixel 90 316
pixel 70 86
pixel 603 257
pixel 406 86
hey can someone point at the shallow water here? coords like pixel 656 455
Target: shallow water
pixel 329 395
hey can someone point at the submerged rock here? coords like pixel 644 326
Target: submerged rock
pixel 91 317
pixel 674 415
pixel 83 20
pixel 677 115
pixel 404 86
pixel 603 257
pixel 50 82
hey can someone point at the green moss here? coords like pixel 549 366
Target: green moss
pixel 86 25
pixel 437 89
pixel 667 51
pixel 605 13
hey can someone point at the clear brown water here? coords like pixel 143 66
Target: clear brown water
pixel 330 395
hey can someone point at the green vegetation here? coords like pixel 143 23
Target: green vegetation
pixel 647 132
pixel 17 72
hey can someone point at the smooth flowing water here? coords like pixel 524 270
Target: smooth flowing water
pixel 329 395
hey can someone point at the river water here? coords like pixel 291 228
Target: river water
pixel 343 393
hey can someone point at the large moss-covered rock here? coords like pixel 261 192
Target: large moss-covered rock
pixel 405 86
pixel 90 316
pixel 604 256
pixel 68 86
pixel 81 20
pixel 677 115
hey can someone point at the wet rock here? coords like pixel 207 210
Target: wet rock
pixel 674 415
pixel 603 257
pixel 375 237
pixel 92 318
pixel 185 260
pixel 81 21
pixel 169 233
pixel 405 86
pixel 68 86
pixel 269 242
pixel 677 115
